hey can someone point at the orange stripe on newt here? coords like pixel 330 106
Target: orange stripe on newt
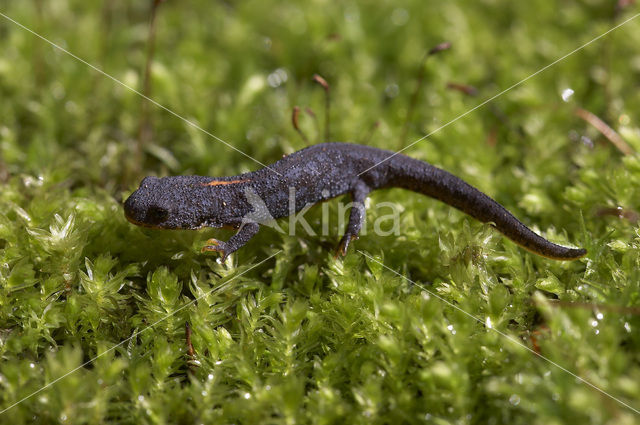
pixel 223 182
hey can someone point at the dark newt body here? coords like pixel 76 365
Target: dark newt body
pixel 316 174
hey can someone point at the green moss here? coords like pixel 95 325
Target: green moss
pixel 304 338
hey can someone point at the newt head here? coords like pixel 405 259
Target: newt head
pixel 180 202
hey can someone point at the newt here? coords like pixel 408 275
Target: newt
pixel 316 173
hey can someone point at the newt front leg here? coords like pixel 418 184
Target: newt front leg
pixel 237 241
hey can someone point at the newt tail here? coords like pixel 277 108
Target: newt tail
pixel 424 178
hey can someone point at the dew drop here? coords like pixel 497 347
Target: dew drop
pixel 587 141
pixel 277 78
pixel 514 399
pixel 266 43
pixel 566 94
pixel 488 323
pixel 351 16
pixel 392 90
pixel 399 17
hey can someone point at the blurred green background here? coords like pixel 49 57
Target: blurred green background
pixel 304 338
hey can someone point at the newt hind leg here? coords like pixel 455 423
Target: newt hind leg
pixel 356 217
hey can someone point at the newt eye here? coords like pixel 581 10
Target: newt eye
pixel 156 214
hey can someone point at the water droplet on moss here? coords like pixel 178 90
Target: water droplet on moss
pixel 399 16
pixel 392 90
pixel 566 94
pixel 514 399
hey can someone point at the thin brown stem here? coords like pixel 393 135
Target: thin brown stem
pixel 619 212
pixel 413 101
pixel 39 63
pixel 465 89
pixel 369 135
pixel 314 117
pixel 145 132
pixel 191 359
pixel 606 131
pixel 294 121
pixel 327 102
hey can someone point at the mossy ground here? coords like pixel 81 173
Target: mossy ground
pixel 303 338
